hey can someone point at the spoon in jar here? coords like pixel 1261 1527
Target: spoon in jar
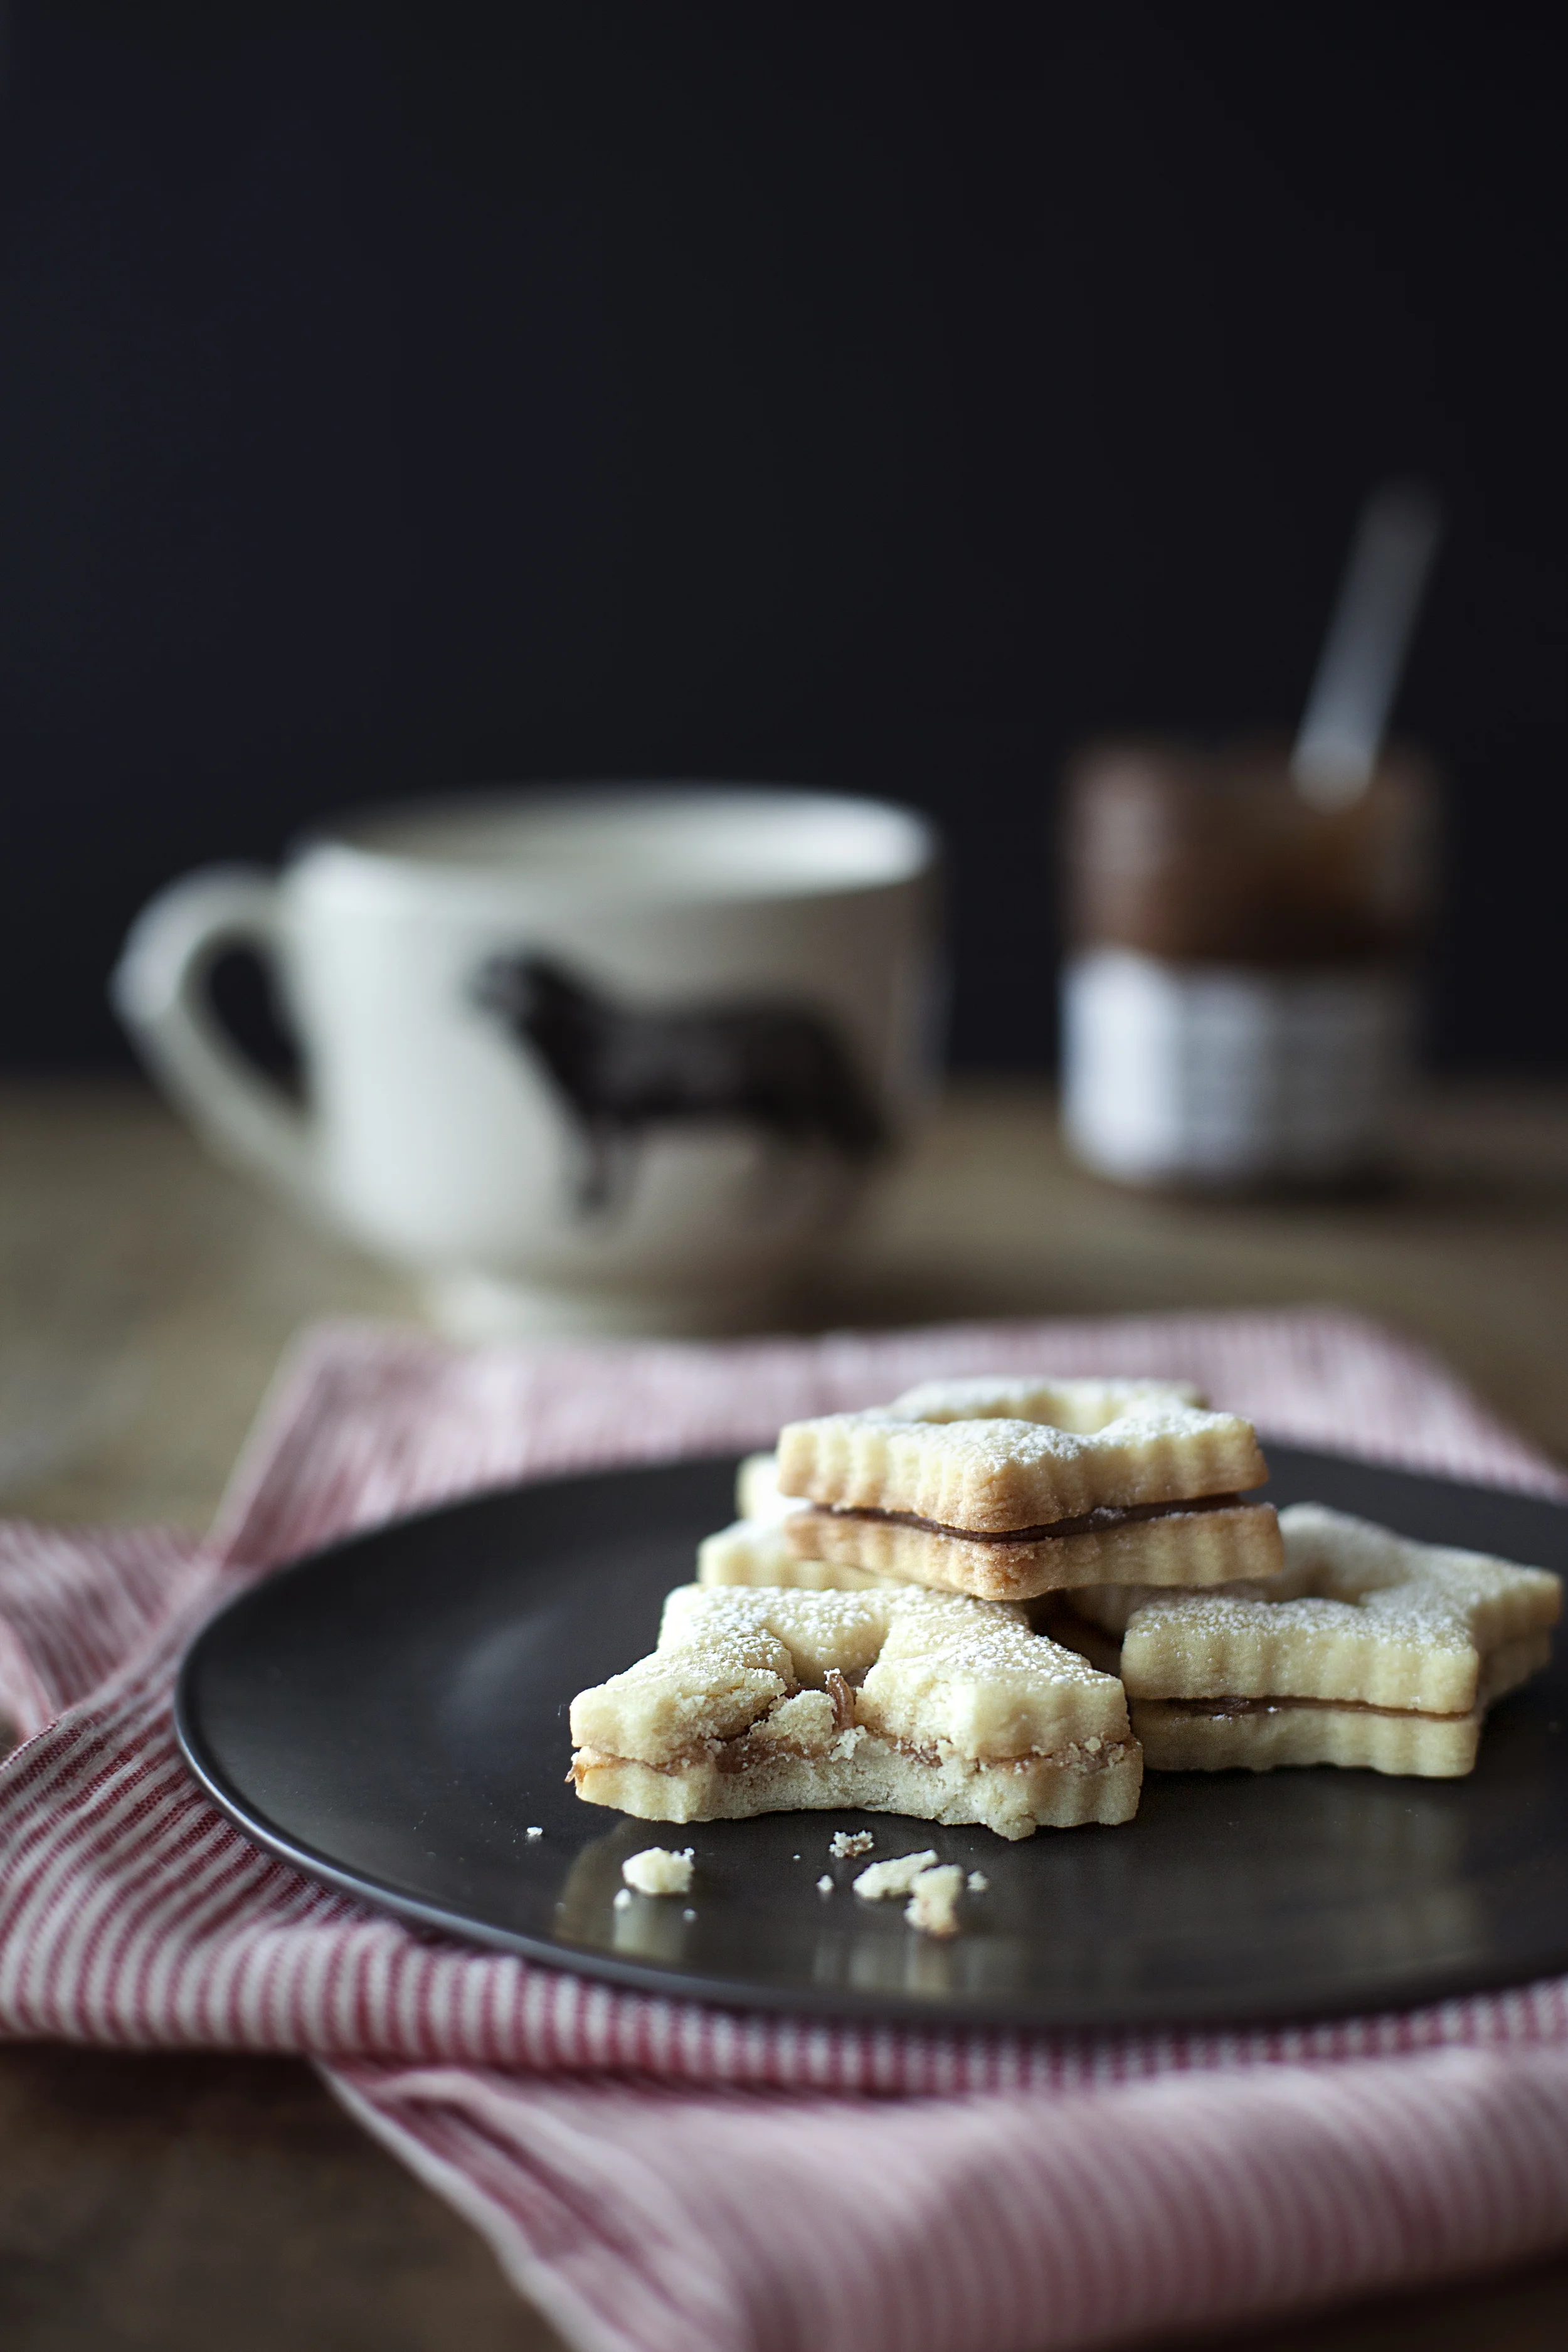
pixel 1391 558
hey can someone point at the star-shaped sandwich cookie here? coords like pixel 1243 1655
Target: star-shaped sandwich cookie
pixel 1368 1649
pixel 897 1701
pixel 1006 1489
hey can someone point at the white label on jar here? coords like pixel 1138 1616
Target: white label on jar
pixel 1222 1074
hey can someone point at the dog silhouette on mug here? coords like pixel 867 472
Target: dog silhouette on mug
pixel 620 1070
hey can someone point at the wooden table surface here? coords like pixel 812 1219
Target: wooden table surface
pixel 170 2202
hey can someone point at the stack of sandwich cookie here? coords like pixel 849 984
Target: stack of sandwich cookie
pixel 994 1601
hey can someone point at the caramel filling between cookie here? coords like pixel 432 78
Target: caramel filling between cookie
pixel 743 1754
pixel 1096 1522
pixel 1207 1709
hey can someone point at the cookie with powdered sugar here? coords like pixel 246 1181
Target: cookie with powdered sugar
pixel 894 1701
pixel 1006 1488
pixel 754 1548
pixel 759 1552
pixel 1367 1650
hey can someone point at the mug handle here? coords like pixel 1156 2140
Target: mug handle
pixel 159 988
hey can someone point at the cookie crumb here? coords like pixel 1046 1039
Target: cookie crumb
pixel 825 1884
pixel 978 1882
pixel 932 1907
pixel 844 1842
pixel 657 1871
pixel 689 1914
pixel 896 1877
pixel 623 1899
pixel 532 1832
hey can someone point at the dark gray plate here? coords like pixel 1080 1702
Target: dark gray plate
pixel 391 1716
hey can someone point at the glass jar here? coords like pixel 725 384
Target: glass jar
pixel 1239 992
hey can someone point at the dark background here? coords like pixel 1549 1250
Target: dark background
pixel 396 396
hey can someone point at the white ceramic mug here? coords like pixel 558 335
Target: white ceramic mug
pixel 595 1058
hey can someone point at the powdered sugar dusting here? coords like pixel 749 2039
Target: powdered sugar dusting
pixel 1070 1404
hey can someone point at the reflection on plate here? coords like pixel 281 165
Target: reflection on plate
pixel 392 1715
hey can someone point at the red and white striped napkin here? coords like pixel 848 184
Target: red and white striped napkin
pixel 660 2176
